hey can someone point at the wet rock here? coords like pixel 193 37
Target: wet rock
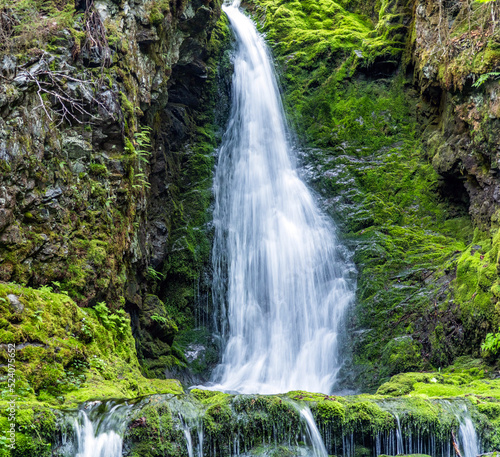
pixel 52 193
pixel 6 217
pixel 15 304
pixel 147 36
pixel 8 66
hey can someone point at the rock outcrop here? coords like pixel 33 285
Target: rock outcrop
pixel 106 147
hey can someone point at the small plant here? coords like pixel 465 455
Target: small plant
pixel 119 321
pixel 85 331
pixel 102 312
pixel 162 320
pixel 154 275
pixel 140 149
pixel 142 144
pixel 38 318
pixel 112 321
pixel 491 343
pixel 98 363
pixel 46 288
pixel 483 78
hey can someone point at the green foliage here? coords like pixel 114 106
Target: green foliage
pixel 161 319
pixel 118 320
pixel 491 344
pixel 139 150
pixel 98 169
pixel 485 77
pixel 154 275
pixel 31 23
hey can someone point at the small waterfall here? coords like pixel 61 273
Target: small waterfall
pixel 281 279
pixel 97 431
pixel 313 433
pixel 188 425
pixel 467 436
pixel 400 449
pixel 191 420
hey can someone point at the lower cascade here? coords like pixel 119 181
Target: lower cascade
pixel 206 425
pixel 97 431
pixel 281 278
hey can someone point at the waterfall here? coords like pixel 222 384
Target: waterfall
pixel 281 279
pixel 319 449
pixel 98 430
pixel 467 435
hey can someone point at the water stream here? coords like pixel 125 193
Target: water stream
pixel 281 278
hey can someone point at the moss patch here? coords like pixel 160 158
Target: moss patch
pixel 66 355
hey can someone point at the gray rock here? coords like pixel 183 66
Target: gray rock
pixel 8 66
pixel 15 304
pixel 79 167
pixel 6 217
pixel 76 148
pixel 52 193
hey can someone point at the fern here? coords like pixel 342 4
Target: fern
pixel 483 78
pixel 491 343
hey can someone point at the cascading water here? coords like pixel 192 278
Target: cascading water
pixel 467 436
pixel 98 431
pixel 280 275
pixel 318 446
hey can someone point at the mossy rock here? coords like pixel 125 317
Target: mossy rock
pixel 84 355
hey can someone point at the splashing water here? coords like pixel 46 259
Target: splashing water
pixel 281 280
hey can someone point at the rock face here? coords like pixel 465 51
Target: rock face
pixel 456 52
pixel 106 126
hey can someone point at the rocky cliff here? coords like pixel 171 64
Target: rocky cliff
pixel 107 129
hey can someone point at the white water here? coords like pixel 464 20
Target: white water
pixel 191 418
pixel 280 279
pixel 467 436
pixel 319 449
pixel 99 433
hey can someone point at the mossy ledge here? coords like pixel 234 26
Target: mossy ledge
pixel 252 423
pixel 65 354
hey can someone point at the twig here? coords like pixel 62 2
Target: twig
pixel 455 445
pixel 71 109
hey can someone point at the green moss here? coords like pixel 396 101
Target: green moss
pixel 81 358
pixel 453 382
pixel 98 169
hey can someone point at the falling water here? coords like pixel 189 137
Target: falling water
pixel 467 435
pixel 319 449
pixel 191 419
pixel 280 278
pixel 98 431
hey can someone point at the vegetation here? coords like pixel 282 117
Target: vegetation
pixel 66 354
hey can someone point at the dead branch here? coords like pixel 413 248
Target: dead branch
pixel 66 107
pixel 96 39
